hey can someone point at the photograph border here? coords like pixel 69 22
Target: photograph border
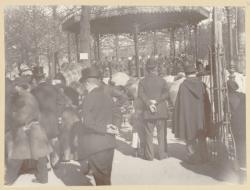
pixel 4 3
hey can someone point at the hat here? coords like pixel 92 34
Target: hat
pixel 90 72
pixel 190 69
pixel 38 71
pixel 150 64
pixel 232 85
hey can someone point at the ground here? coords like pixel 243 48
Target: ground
pixel 131 170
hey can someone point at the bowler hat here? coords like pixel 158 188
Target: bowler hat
pixel 190 69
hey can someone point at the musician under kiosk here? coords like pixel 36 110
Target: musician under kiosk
pixel 192 116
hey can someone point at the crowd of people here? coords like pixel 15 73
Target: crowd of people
pixel 127 65
pixel 44 118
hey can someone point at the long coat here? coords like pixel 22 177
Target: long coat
pixel 33 142
pixel 192 110
pixel 51 105
pixel 153 87
pixel 237 102
pixel 97 113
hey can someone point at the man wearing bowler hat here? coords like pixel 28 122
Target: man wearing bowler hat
pixel 152 90
pixel 98 141
pixel 192 116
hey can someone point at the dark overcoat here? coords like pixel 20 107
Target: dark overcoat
pixel 97 113
pixel 51 104
pixel 192 110
pixel 33 142
pixel 153 87
pixel 237 102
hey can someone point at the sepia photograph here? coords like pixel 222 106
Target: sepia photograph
pixel 99 95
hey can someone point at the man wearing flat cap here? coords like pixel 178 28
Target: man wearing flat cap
pixel 192 116
pixel 98 141
pixel 152 90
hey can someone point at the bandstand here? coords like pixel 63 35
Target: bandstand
pixel 133 20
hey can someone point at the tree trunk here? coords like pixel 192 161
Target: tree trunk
pixel 85 36
pixel 241 39
pixel 35 37
pixel 54 64
pixel 229 38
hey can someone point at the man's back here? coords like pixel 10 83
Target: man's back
pixel 153 86
pixel 46 96
pixel 50 105
pixel 97 114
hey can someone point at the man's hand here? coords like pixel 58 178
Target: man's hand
pixel 112 129
pixel 153 108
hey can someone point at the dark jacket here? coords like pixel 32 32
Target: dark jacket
pixel 192 110
pixel 72 94
pixel 32 143
pixel 153 87
pixel 237 105
pixel 97 113
pixel 51 104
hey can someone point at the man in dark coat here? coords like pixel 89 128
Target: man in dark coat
pixel 98 141
pixel 152 90
pixel 29 138
pixel 192 115
pixel 237 105
pixel 51 104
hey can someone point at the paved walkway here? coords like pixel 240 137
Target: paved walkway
pixel 130 170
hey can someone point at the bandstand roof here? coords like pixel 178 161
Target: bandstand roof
pixel 117 20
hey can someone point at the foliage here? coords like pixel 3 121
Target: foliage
pixel 33 34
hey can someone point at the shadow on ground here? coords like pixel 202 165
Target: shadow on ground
pixel 71 175
pixel 218 171
pixel 176 150
pixel 221 171
pixel 124 148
